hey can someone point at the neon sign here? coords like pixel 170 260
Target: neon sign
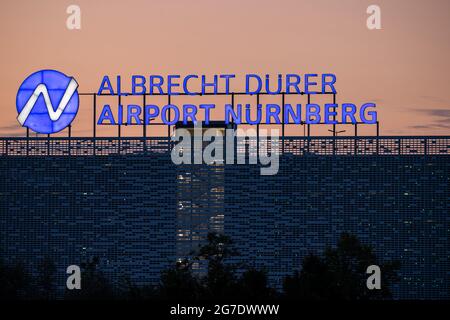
pixel 270 113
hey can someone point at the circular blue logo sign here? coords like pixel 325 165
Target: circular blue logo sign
pixel 47 101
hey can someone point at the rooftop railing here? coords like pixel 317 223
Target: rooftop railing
pixel 80 146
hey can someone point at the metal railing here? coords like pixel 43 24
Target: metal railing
pixel 80 146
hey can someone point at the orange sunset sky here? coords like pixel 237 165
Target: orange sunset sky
pixel 403 68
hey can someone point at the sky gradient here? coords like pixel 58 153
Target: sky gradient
pixel 404 67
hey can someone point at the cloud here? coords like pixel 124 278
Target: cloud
pixel 444 125
pixel 445 113
pixel 12 130
pixel 441 121
pixel 435 99
pixel 435 112
pixel 11 127
pixel 12 135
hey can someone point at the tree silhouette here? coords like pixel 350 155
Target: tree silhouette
pixel 315 281
pixel 14 281
pixel 253 285
pixel 127 290
pixel 94 285
pixel 340 274
pixel 179 283
pixel 46 280
pixel 220 280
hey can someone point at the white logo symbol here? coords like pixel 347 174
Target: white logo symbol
pixel 42 89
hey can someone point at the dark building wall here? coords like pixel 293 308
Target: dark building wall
pixel 123 209
pixel 397 204
pixel 118 208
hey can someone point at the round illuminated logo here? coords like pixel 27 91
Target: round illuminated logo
pixel 47 101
